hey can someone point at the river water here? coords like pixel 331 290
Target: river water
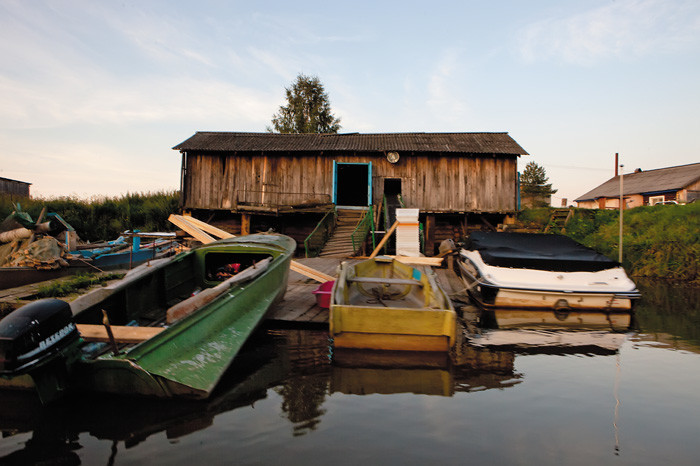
pixel 632 399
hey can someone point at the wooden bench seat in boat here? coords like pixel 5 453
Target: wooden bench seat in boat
pixel 122 333
pixel 387 281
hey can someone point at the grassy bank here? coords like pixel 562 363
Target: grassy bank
pixel 658 242
pixel 102 219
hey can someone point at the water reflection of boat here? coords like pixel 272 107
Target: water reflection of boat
pixel 132 420
pixel 574 319
pixel 361 372
pixel 526 270
pixel 183 339
pixel 383 304
pixel 551 341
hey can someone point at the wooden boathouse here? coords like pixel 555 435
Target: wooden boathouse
pixel 254 181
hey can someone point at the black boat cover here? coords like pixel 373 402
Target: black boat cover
pixel 537 251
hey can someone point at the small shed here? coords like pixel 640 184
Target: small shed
pixel 266 174
pixel 14 188
pixel 679 184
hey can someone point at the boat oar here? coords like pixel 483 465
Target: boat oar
pixel 112 341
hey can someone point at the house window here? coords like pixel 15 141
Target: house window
pixel 655 199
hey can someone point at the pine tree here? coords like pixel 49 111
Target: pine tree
pixel 307 111
pixel 534 186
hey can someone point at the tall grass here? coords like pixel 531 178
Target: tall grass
pixel 104 218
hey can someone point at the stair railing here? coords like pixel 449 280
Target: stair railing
pixel 360 232
pixel 323 231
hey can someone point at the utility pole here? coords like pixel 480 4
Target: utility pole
pixel 622 208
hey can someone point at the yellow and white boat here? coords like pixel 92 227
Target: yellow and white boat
pixel 383 304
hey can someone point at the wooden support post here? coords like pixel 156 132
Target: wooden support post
pixel 110 335
pixel 429 234
pixel 245 224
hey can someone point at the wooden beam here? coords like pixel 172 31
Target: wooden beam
pixel 384 240
pixel 191 229
pixel 212 230
pixel 309 272
pixel 122 334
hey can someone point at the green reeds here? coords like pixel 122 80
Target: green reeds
pixel 104 218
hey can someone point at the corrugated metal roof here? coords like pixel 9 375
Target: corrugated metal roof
pixel 476 143
pixel 662 179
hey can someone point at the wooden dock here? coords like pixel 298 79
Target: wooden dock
pixel 299 304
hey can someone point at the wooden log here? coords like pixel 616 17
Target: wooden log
pixel 16 234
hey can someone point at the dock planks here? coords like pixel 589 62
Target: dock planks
pixel 299 303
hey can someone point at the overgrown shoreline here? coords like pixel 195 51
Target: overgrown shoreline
pixel 660 242
pixel 105 218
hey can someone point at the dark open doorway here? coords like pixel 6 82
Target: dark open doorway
pixel 352 184
pixel 392 186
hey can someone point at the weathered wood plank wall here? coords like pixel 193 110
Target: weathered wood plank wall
pixel 444 183
pixel 14 188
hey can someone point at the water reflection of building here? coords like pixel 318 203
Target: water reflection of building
pixel 305 390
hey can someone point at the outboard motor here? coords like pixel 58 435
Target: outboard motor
pixel 40 339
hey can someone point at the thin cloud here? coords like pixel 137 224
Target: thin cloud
pixel 624 28
pixel 445 95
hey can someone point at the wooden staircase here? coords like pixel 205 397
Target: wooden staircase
pixel 559 219
pixel 340 244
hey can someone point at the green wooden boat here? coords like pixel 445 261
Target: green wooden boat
pixel 173 328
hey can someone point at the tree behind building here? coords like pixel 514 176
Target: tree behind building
pixel 307 111
pixel 534 189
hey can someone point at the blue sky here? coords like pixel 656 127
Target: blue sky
pixel 93 94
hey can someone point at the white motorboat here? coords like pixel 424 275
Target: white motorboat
pixel 537 271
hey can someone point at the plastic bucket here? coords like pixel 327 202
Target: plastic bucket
pixel 323 294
